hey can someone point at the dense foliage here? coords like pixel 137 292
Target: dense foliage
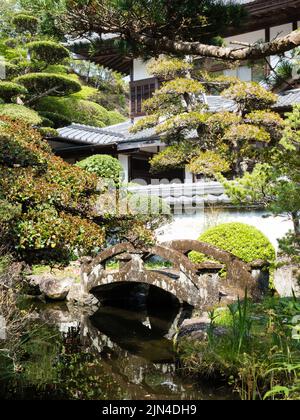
pixel 20 112
pixel 40 69
pixel 56 199
pixel 244 241
pixel 275 184
pixel 179 112
pixel 255 347
pixel 103 166
pixel 153 27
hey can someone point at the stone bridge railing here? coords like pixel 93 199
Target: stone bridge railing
pixel 183 280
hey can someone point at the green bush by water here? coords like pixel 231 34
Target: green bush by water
pixel 244 241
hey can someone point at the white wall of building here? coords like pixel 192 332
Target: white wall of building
pixel 278 32
pixel 140 71
pixel 124 160
pixel 249 37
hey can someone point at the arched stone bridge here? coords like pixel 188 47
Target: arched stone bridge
pixel 185 280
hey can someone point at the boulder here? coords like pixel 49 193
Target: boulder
pixel 54 288
pixel 287 279
pixel 13 276
pixel 2 328
pixel 79 297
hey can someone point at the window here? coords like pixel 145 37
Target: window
pixel 139 92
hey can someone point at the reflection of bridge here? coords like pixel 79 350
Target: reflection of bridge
pixel 184 280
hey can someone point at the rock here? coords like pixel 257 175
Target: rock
pixel 13 277
pixel 31 285
pixel 197 329
pixel 2 328
pixel 79 297
pixel 287 279
pixel 54 288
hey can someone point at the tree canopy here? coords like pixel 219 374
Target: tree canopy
pixel 179 113
pixel 189 27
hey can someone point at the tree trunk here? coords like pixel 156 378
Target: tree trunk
pixel 252 52
pixel 296 223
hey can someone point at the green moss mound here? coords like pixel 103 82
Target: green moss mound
pixel 20 112
pixel 244 241
pixel 79 111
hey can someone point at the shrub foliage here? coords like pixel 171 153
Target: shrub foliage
pixel 244 241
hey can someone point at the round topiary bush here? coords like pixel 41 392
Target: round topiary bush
pixel 76 110
pixel 48 51
pixel 39 83
pixel 24 22
pixel 244 241
pixel 104 166
pixel 9 90
pixel 20 113
pixel 57 120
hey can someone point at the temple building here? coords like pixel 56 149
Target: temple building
pixel 266 21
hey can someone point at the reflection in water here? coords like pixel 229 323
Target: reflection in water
pixel 115 353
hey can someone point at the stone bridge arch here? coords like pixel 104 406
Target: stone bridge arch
pixel 183 280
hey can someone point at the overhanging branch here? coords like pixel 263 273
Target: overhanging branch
pixel 253 52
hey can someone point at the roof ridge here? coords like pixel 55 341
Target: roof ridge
pixel 92 129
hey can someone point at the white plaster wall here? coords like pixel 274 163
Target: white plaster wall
pixel 188 176
pixel 124 160
pixel 243 73
pixel 282 30
pixel 140 71
pixel 250 38
pixel 278 32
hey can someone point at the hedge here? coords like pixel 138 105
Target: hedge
pixel 21 113
pixel 244 241
pixel 37 83
pixel 48 51
pixel 104 166
pixel 78 111
pixel 9 90
pixel 57 120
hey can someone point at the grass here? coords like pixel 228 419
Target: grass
pixel 258 355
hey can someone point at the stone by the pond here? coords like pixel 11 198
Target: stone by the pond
pixel 77 296
pixel 13 276
pixel 197 329
pixel 2 328
pixel 287 279
pixel 56 289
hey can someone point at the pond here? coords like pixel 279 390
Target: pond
pixel 113 353
pixel 191 226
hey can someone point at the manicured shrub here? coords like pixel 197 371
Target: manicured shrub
pixel 57 200
pixel 48 51
pixel 244 241
pixel 250 96
pixel 47 132
pixel 9 90
pixel 175 156
pixel 115 117
pixel 39 83
pixel 76 110
pixel 21 113
pixel 103 166
pixel 57 120
pixel 11 70
pixel 208 164
pixel 25 23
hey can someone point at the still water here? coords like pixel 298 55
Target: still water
pixel 113 353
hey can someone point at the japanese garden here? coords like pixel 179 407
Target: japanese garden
pixel 149 200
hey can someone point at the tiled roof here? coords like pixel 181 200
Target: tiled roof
pixel 120 135
pixel 288 99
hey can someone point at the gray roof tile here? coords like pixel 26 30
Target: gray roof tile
pixel 120 134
